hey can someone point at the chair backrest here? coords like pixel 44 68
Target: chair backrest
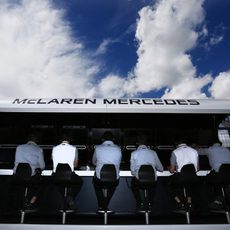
pixel 23 172
pixel 189 176
pixel 188 170
pixel 224 173
pixel 63 173
pixel 108 173
pixel 146 175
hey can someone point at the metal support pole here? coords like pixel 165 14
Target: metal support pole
pixel 23 208
pixel 22 216
pixel 146 217
pixel 105 217
pixel 226 211
pixel 65 204
pixel 188 217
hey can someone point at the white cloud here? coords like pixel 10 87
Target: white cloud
pixel 38 56
pixel 188 88
pixel 165 34
pixel 111 86
pixel 220 86
pixel 216 39
pixel 103 47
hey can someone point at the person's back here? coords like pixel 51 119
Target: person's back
pixel 185 155
pixel 144 156
pixel 64 153
pixel 107 153
pixel 217 156
pixel 181 156
pixel 30 153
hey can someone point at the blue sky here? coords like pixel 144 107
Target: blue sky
pixel 115 48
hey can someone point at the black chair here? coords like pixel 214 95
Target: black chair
pixel 22 177
pixel 188 179
pixel 108 180
pixel 222 180
pixel 146 181
pixel 63 179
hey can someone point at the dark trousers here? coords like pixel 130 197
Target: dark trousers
pixel 74 186
pixel 213 180
pixel 98 186
pixel 178 181
pixel 17 190
pixel 36 187
pixel 137 192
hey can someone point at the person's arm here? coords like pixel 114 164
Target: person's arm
pixel 132 163
pixel 76 161
pixel 172 167
pixel 41 160
pixel 202 151
pixel 159 166
pixel 198 164
pixel 94 158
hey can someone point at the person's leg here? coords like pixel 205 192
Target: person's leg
pixel 175 187
pixel 73 189
pixel 77 184
pixel 136 192
pixel 213 180
pixel 151 196
pixel 111 191
pixel 99 192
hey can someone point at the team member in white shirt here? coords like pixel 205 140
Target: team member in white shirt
pixel 65 153
pixel 106 153
pixel 181 156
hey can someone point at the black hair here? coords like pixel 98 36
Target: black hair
pixel 66 137
pixel 142 140
pixel 108 136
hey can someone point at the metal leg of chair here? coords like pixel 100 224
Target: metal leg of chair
pixel 105 217
pixel 23 208
pixel 22 216
pixel 185 193
pixel 188 217
pixel 145 199
pixel 65 204
pixel 105 192
pixel 146 206
pixel 227 216
pixel 226 211
pixel 63 217
pixel 187 213
pixel 147 217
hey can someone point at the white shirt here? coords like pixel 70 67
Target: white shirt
pixel 29 153
pixel 106 153
pixel 64 154
pixel 144 156
pixel 184 155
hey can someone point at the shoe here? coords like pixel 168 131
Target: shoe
pixel 216 205
pixel 180 206
pixel 189 205
pixel 70 202
pixel 29 206
pixel 100 210
pixel 141 208
pixel 149 207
